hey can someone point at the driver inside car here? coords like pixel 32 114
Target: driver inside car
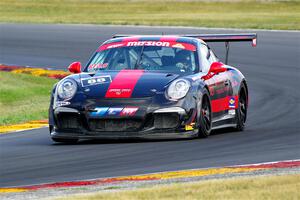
pixel 183 61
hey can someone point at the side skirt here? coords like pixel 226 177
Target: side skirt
pixel 225 121
pixel 224 126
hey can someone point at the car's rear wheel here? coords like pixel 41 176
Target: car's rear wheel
pixel 242 109
pixel 205 116
pixel 63 140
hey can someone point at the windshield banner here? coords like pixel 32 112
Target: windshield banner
pixel 170 44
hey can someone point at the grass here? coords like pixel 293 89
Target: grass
pixel 23 97
pixel 234 13
pixel 272 187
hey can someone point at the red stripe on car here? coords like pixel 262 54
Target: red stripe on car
pixel 123 84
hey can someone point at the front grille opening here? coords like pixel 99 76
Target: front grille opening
pixel 166 120
pixel 68 121
pixel 115 125
pixel 148 122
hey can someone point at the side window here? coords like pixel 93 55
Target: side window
pixel 118 60
pixel 205 63
pixel 133 56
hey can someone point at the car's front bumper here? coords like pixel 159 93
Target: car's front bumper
pixel 156 124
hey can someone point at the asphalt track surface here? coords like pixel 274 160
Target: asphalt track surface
pixel 273 127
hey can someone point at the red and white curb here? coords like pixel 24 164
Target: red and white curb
pixel 160 176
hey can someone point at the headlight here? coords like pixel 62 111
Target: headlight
pixel 178 89
pixel 67 89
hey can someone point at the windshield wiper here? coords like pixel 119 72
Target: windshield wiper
pixel 137 64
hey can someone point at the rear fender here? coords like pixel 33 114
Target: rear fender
pixel 236 79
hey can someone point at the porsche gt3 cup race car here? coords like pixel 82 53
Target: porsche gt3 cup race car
pixel 150 87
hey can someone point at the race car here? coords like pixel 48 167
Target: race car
pixel 150 86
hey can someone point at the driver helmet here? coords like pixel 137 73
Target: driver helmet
pixel 183 60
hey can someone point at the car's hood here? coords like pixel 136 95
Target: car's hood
pixel 124 83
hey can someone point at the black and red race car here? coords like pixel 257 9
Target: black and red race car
pixel 150 87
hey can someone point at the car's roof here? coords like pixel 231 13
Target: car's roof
pixel 162 38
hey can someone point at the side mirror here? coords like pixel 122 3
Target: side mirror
pixel 217 67
pixel 75 67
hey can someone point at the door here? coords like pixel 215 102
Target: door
pixel 219 85
pixel 221 94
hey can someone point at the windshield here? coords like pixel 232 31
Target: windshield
pixel 151 56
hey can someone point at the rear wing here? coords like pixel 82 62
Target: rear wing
pixel 226 38
pixel 252 37
pixel 249 37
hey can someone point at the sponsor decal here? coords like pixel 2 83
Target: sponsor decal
pixel 62 103
pixel 149 43
pixel 109 111
pixel 97 66
pixel 178 45
pixel 129 111
pixel 120 92
pixel 111 45
pixel 161 43
pixel 231 112
pixel 115 45
pixel 95 80
pixel 123 84
pixel 189 127
pixel 231 102
pixel 114 111
pixel 99 112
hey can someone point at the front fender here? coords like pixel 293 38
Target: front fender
pixel 50 110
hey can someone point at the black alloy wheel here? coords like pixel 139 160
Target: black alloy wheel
pixel 242 109
pixel 205 118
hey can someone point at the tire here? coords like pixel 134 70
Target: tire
pixel 241 115
pixel 205 116
pixel 63 140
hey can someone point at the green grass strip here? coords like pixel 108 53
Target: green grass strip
pixel 263 187
pixel 228 14
pixel 24 97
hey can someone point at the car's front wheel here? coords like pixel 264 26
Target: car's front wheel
pixel 205 116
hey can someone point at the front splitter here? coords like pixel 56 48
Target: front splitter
pixel 125 135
